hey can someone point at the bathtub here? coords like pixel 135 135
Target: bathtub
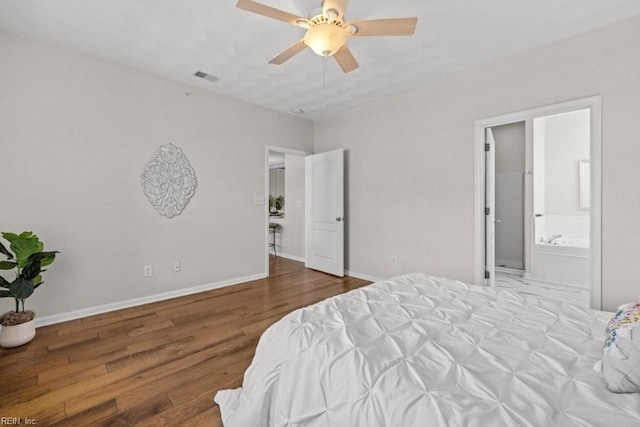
pixel 565 262
pixel 567 243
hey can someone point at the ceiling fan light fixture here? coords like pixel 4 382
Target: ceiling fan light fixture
pixel 326 31
pixel 303 23
pixel 331 14
pixel 325 39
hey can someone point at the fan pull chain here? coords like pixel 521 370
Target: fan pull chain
pixel 324 72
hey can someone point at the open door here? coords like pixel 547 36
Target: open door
pixel 324 195
pixel 490 207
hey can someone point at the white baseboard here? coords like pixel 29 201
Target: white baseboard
pixel 292 257
pixel 363 276
pixel 91 311
pixel 346 272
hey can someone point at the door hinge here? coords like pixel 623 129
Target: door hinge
pixel 487 211
pixel 487 147
pixel 487 275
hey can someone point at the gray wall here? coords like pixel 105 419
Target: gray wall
pixel 510 147
pixel 75 134
pixel 509 192
pixel 410 162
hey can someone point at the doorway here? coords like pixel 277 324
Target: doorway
pixel 284 213
pixel 309 218
pixel 579 172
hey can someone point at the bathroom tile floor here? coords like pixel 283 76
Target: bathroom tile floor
pixel 513 280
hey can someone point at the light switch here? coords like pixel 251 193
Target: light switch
pixel 258 200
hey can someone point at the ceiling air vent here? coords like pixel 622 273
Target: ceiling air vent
pixel 209 77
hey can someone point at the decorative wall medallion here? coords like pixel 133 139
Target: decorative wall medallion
pixel 168 180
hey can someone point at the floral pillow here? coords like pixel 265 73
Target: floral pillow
pixel 621 360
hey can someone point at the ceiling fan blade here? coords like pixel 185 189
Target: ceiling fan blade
pixel 385 27
pixel 268 11
pixel 292 50
pixel 337 5
pixel 345 59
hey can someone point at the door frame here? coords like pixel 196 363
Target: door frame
pixel 594 103
pixel 490 202
pixel 282 150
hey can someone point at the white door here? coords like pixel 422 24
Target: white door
pixel 324 194
pixel 490 207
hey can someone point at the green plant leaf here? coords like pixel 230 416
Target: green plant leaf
pixel 21 288
pixel 5 251
pixel 24 246
pixel 45 258
pixel 30 258
pixel 10 237
pixel 31 270
pixel 37 281
pixel 7 265
pixel 5 294
pixel 48 260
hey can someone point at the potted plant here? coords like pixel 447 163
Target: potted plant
pixel 27 258
pixel 276 203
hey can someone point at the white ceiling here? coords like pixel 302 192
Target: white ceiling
pixel 175 38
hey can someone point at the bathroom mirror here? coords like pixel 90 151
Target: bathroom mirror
pixel 584 174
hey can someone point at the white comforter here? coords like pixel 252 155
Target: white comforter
pixel 424 351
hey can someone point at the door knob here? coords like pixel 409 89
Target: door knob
pixel 339 219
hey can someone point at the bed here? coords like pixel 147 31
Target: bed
pixel 425 351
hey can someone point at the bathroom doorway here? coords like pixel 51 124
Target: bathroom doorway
pixel 561 247
pixel 538 198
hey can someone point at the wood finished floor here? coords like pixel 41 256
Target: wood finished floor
pixel 157 364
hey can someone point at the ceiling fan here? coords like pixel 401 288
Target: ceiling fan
pixel 327 32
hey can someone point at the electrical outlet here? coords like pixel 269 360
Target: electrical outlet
pixel 148 271
pixel 393 260
pixel 176 267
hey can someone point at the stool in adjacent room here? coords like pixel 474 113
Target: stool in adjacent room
pixel 273 230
